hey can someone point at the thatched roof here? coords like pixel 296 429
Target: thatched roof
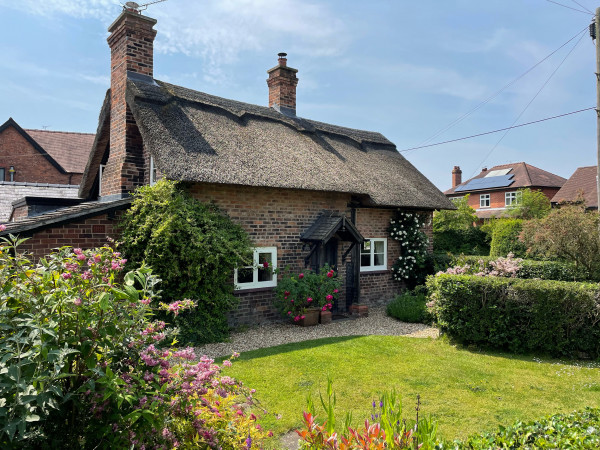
pixel 198 137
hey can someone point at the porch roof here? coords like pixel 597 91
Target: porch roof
pixel 327 225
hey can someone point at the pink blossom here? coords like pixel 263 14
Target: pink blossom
pixel 289 313
pixel 329 274
pixel 80 256
pixel 335 291
pixel 86 275
pixel 324 308
pixel 227 363
pixel 329 297
pixel 296 319
pixel 301 276
pixel 77 302
pixel 266 264
pixel 309 299
pixel 302 317
pixel 66 276
pixel 2 227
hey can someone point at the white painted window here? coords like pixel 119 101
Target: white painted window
pixel 512 198
pixel 484 201
pixel 100 171
pixel 373 255
pixel 260 273
pixel 152 171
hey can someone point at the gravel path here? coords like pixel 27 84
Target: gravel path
pixel 285 333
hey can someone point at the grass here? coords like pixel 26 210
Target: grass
pixel 465 391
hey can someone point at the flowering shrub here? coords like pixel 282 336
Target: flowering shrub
pixel 296 293
pixel 387 428
pixel 81 363
pixel 499 267
pixel 411 265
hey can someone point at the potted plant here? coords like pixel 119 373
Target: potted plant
pixel 303 296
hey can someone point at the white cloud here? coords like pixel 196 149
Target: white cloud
pixel 219 31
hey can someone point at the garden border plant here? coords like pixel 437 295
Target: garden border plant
pixel 194 248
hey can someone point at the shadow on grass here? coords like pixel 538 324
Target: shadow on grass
pixel 291 347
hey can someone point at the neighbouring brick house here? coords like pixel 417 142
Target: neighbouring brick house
pixel 582 185
pixel 494 189
pixel 40 169
pixel 308 193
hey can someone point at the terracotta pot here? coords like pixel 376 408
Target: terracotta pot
pixel 359 310
pixel 311 318
pixel 325 317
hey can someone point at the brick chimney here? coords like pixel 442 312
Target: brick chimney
pixel 282 83
pixel 456 176
pixel 131 51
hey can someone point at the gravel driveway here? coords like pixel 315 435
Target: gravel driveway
pixel 284 333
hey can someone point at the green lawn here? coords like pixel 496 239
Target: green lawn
pixel 465 391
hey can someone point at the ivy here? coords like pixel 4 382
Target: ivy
pixel 193 248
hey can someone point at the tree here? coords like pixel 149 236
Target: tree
pixel 529 205
pixel 569 233
pixel 462 218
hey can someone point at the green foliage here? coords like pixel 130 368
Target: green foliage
pixel 528 268
pixel 529 205
pixel 462 218
pixel 551 317
pixel 296 293
pixel 577 430
pixel 569 233
pixel 410 306
pixel 468 241
pixel 194 249
pixel 505 238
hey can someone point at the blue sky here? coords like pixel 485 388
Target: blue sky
pixel 404 68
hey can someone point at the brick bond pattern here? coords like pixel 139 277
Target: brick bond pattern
pixel 9 192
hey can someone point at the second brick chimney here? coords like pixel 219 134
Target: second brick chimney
pixel 131 52
pixel 456 176
pixel 282 83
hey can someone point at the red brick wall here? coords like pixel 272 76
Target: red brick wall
pixel 497 198
pixel 30 165
pixel 86 233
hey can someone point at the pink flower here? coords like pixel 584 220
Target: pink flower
pixel 335 291
pixel 66 276
pixel 302 317
pixel 329 274
pixel 227 363
pixel 329 297
pixel 309 299
pixel 266 264
pixel 80 256
pixel 286 293
pixel 2 227
pixel 301 276
pixel 77 302
pixel 86 275
pixel 324 308
pixel 289 313
pixel 296 319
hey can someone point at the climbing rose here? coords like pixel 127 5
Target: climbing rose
pixel 266 264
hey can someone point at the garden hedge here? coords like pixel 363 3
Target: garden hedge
pixel 505 238
pixel 531 268
pixel 470 241
pixel 550 317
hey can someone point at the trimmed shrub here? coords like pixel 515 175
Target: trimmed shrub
pixel 505 238
pixel 193 248
pixel 553 317
pixel 530 268
pixel 579 429
pixel 410 306
pixel 470 241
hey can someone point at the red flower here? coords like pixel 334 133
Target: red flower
pixel 301 276
pixel 329 274
pixel 266 264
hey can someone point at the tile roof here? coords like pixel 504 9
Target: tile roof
pixel 583 181
pixel 524 175
pixel 198 137
pixel 70 150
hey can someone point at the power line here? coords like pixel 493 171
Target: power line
pixel 565 6
pixel 529 104
pixel 577 3
pixel 497 131
pixel 486 101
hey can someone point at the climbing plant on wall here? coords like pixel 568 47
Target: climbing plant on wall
pixel 412 264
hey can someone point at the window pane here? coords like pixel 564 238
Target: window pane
pixel 245 275
pixel 366 247
pixel 379 246
pixel 2 174
pixel 365 260
pixel 264 258
pixel 379 259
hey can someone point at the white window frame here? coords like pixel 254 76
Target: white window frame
pixel 372 267
pixel 255 265
pixel 100 171
pixel 483 199
pixel 513 197
pixel 152 171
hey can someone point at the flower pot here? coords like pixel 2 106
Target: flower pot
pixel 311 318
pixel 325 317
pixel 359 310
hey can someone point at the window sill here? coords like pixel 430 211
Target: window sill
pixel 374 272
pixel 254 289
